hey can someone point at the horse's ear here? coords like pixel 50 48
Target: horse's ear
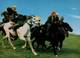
pixel 2 14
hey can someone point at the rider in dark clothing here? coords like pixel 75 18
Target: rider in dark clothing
pixel 53 18
pixel 9 14
pixel 12 12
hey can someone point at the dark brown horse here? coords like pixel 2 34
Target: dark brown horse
pixel 57 35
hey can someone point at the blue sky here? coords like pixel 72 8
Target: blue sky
pixel 70 9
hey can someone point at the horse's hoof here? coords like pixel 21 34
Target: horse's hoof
pixel 56 55
pixel 14 48
pixel 35 54
pixel 23 47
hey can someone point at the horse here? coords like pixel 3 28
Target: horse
pixel 57 35
pixel 38 33
pixel 23 31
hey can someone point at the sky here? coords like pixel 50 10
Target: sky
pixel 70 9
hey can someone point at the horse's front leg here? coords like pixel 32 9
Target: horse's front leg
pixel 60 45
pixel 9 39
pixel 61 42
pixel 11 43
pixel 30 44
pixel 23 38
pixel 55 50
pixel 8 36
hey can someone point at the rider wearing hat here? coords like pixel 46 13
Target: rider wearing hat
pixel 13 12
pixel 53 18
pixel 9 14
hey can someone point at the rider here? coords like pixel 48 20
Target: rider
pixel 12 12
pixel 9 14
pixel 53 18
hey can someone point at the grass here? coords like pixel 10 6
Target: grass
pixel 71 49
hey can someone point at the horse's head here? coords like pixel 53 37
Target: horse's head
pixel 68 27
pixel 36 20
pixel 33 20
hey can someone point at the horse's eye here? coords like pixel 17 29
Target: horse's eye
pixel 34 19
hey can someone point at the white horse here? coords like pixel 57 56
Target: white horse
pixel 21 32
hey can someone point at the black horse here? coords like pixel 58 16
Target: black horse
pixel 57 35
pixel 38 33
